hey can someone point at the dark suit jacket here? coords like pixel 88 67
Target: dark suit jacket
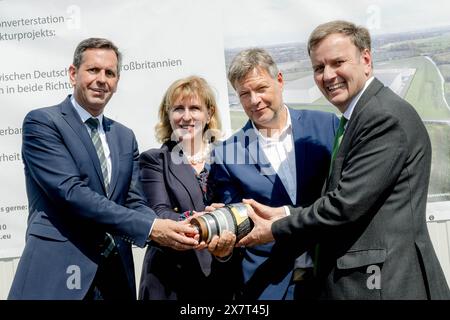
pixel 172 188
pixel 374 242
pixel 69 212
pixel 240 170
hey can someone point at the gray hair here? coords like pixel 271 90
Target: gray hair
pixel 95 43
pixel 247 60
pixel 359 35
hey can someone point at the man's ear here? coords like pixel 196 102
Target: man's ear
pixel 280 80
pixel 72 74
pixel 366 59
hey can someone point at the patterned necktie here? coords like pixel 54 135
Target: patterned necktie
pixel 93 123
pixel 337 142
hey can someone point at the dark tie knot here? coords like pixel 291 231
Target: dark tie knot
pixel 93 123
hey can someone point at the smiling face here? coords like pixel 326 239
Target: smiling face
pixel 95 81
pixel 188 117
pixel 261 98
pixel 340 69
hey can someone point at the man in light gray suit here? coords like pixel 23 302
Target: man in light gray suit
pixel 369 226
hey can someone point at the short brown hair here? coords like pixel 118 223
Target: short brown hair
pixel 95 43
pixel 192 86
pixel 359 35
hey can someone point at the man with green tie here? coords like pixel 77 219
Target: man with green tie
pixel 369 225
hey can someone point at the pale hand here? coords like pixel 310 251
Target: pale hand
pixel 262 216
pixel 222 246
pixel 202 245
pixel 214 206
pixel 219 246
pixel 177 235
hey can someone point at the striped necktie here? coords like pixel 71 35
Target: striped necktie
pixel 93 123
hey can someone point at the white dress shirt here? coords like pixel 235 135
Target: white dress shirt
pixel 279 151
pixel 348 113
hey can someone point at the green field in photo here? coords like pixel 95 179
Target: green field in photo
pixel 440 165
pixel 425 91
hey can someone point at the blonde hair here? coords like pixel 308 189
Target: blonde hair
pixel 192 86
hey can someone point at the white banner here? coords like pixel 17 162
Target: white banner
pixel 161 41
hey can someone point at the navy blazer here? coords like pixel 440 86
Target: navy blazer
pixel 69 211
pixel 171 188
pixel 240 170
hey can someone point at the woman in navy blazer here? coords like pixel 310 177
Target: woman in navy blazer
pixel 174 181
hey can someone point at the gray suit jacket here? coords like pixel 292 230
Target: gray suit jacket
pixel 370 221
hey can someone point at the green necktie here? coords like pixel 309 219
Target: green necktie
pixel 337 142
pixel 93 123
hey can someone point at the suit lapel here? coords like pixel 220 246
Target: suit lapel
pixel 263 164
pixel 112 138
pixel 184 173
pixel 371 91
pixel 300 148
pixel 255 153
pixel 70 115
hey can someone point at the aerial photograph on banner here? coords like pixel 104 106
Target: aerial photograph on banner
pixel 410 48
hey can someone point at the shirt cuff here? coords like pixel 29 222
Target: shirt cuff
pixel 149 240
pixel 287 211
pixel 224 259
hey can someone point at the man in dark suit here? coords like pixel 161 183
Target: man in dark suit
pixel 369 225
pixel 281 156
pixel 85 202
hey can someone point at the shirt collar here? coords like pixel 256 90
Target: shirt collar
pixel 84 115
pixel 283 132
pixel 348 113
